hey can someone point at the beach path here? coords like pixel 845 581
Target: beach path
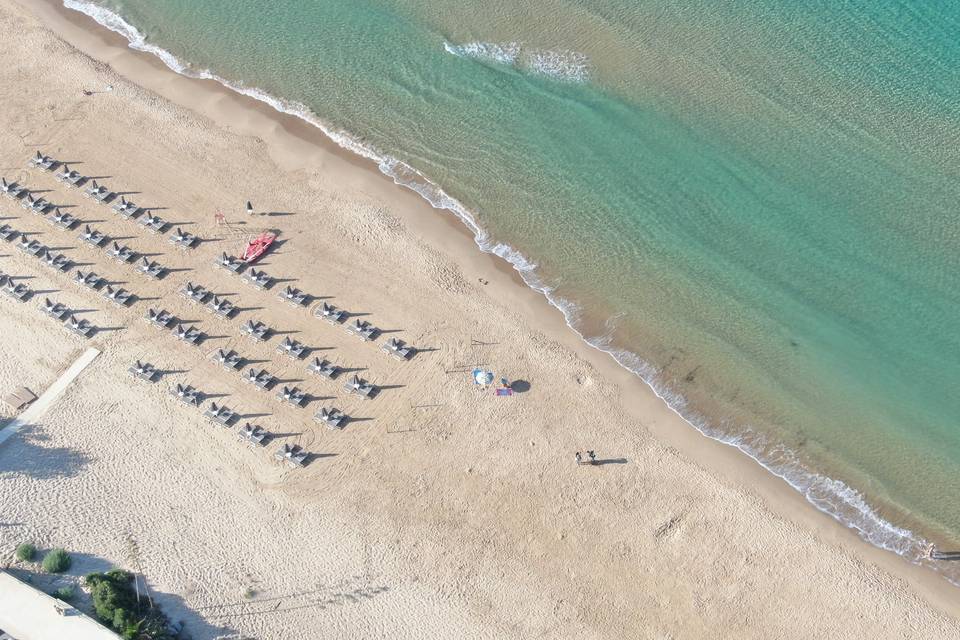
pixel 37 410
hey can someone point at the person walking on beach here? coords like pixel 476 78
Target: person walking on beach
pixel 593 456
pixel 579 459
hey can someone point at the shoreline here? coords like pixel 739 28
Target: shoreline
pixel 828 494
pixel 293 143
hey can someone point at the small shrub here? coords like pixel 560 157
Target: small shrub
pixel 56 561
pixel 64 593
pixel 26 552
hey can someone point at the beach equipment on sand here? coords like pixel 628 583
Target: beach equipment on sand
pixel 258 246
pixel 482 377
pixel 249 208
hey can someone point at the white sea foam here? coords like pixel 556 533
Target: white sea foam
pixel 832 496
pixel 563 65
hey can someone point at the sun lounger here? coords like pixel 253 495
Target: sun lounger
pixel 182 239
pixel 92 236
pixel 293 454
pixel 161 318
pixel 189 334
pixel 56 310
pixel 125 208
pixel 80 327
pixel 220 414
pixel 31 247
pixel 119 296
pixel 44 162
pixel 56 261
pixel 363 329
pixel 398 349
pixel 69 177
pixel 150 268
pixel 292 395
pixel 89 279
pixel 323 368
pixel 38 206
pixel 187 394
pixel 292 348
pixel 63 220
pixel 230 263
pixel 152 222
pixel 221 307
pixel 229 359
pixel 196 293
pixel 294 296
pixel 122 254
pixel 143 371
pixel 11 189
pixel 330 313
pixel 333 418
pixel 97 192
pixel 18 292
pixel 360 387
pixel 256 330
pixel 7 232
pixel 253 434
pixel 259 378
pixel 258 279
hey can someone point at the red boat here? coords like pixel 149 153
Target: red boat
pixel 258 246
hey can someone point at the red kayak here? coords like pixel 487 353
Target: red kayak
pixel 258 246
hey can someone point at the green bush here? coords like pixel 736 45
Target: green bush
pixel 64 593
pixel 56 561
pixel 115 603
pixel 26 552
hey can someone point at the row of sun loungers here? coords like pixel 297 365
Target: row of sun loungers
pixel 360 387
pixel 8 233
pixel 230 263
pixel 161 318
pixel 31 247
pixel 58 311
pixel 196 293
pixel 323 368
pixel 398 349
pixel 189 334
pixel 253 434
pixel 292 395
pixel 63 220
pixel 119 296
pixel 122 254
pixel 333 418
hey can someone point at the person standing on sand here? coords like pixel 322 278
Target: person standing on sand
pixel 579 459
pixel 593 456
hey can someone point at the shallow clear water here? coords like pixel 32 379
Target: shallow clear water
pixel 754 205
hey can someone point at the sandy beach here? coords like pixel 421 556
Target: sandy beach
pixel 440 510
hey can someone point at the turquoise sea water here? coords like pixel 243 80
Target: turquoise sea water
pixel 754 205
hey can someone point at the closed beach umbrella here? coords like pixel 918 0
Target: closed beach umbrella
pixel 249 208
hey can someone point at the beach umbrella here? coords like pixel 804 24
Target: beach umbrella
pixel 482 377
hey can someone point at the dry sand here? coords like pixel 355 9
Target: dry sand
pixel 444 512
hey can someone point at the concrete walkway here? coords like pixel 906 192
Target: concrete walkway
pixel 40 406
pixel 29 614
